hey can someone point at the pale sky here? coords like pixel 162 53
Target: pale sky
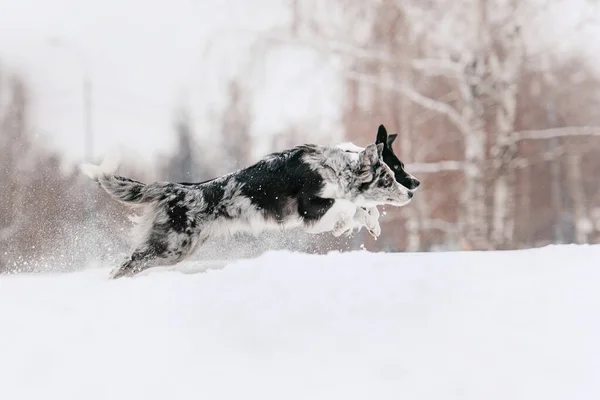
pixel 144 59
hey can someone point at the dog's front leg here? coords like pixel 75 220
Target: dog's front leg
pixel 364 217
pixel 344 225
pixel 371 221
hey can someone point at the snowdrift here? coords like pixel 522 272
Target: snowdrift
pixel 497 325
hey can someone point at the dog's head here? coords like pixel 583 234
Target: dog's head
pixel 376 184
pixel 389 157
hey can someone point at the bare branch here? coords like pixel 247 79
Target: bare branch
pixel 527 162
pixel 438 67
pixel 433 167
pixel 569 131
pixel 331 46
pixel 414 96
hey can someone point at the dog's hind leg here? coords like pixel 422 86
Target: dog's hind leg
pixel 136 263
pixel 154 253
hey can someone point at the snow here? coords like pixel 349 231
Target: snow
pixel 496 325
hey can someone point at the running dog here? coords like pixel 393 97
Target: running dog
pixel 312 187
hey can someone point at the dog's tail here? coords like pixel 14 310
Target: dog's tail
pixel 121 188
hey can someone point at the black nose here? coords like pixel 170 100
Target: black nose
pixel 415 184
pixel 410 195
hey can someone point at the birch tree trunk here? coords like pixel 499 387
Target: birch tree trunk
pixel 504 152
pixel 473 224
pixel 473 221
pixel 583 226
pixel 413 221
pixel 473 198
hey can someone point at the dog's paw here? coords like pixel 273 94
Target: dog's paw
pixel 372 222
pixel 116 273
pixel 120 272
pixel 342 226
pixel 375 232
pixel 369 218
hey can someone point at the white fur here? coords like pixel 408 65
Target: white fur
pixel 109 166
pixel 349 146
pixel 341 210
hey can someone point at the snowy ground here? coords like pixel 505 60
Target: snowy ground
pixel 514 325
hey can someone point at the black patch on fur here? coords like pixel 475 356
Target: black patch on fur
pixel 392 161
pixel 272 183
pixel 135 192
pixel 397 167
pixel 134 188
pixel 311 209
pixel 195 183
pixel 178 212
pixel 213 194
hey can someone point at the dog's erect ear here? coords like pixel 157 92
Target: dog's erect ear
pixel 380 149
pixel 391 139
pixel 370 155
pixel 381 135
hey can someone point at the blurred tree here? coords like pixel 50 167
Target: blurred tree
pixel 15 144
pixel 236 139
pixel 184 165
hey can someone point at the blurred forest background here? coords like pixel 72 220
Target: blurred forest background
pixel 501 127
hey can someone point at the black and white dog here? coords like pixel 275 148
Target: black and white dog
pixel 313 187
pixel 369 217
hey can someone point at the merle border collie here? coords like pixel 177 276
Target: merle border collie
pixel 369 216
pixel 313 187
